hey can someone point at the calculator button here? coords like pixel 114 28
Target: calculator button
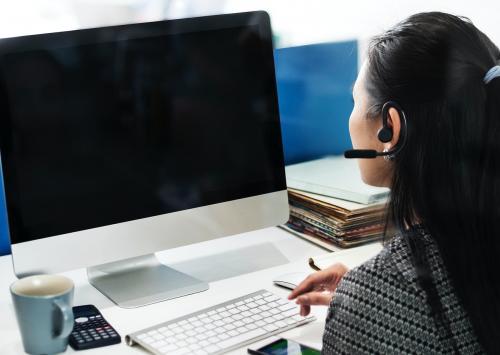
pixel 81 320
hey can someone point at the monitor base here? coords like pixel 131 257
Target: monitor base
pixel 140 281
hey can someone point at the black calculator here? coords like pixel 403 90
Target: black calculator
pixel 91 329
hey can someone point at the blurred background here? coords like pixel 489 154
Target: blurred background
pixel 295 22
pixel 320 45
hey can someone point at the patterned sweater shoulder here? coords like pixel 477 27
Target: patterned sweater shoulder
pixel 379 307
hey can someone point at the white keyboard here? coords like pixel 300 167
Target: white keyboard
pixel 222 328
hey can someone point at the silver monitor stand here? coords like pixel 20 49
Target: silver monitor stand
pixel 142 280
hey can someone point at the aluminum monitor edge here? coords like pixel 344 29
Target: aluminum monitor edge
pixel 124 240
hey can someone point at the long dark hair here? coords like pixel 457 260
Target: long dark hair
pixel 447 177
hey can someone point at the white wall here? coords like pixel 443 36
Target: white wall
pixel 323 20
pixel 294 21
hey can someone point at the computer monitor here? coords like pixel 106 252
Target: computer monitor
pixel 121 141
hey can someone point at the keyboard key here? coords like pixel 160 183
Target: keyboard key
pixel 213 340
pixel 242 330
pixel 280 324
pixel 159 344
pixel 239 323
pixel 168 333
pixel 271 298
pixel 241 338
pixel 270 327
pixel 291 312
pixel 246 314
pixel 265 314
pixel 264 307
pixel 218 329
pixel 201 336
pixel 197 323
pixel 210 333
pixel 212 348
pixel 223 336
pixel 168 348
pixel 182 343
pixel 181 336
pixel 298 318
pixel 204 343
pixel 260 323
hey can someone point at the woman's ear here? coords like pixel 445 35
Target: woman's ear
pixel 394 122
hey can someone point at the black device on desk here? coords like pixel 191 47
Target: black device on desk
pixel 285 347
pixel 91 330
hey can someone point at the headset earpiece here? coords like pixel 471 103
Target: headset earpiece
pixel 384 134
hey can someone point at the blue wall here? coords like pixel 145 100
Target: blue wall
pixel 315 98
pixel 4 234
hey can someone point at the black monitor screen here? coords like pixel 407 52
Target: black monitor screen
pixel 106 126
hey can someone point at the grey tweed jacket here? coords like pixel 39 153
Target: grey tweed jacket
pixel 379 308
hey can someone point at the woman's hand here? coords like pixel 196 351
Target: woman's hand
pixel 317 288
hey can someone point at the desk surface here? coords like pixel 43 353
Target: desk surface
pixel 234 266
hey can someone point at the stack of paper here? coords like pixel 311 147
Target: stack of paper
pixel 334 176
pixel 334 219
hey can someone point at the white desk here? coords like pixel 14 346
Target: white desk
pixel 235 266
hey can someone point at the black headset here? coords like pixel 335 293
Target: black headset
pixel 384 135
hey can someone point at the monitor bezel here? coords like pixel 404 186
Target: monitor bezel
pixel 126 240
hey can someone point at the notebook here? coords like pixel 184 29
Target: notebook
pixel 335 177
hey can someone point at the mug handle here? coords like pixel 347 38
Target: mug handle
pixel 67 317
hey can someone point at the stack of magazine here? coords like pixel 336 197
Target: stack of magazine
pixel 330 204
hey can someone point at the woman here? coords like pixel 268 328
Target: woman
pixel 434 288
